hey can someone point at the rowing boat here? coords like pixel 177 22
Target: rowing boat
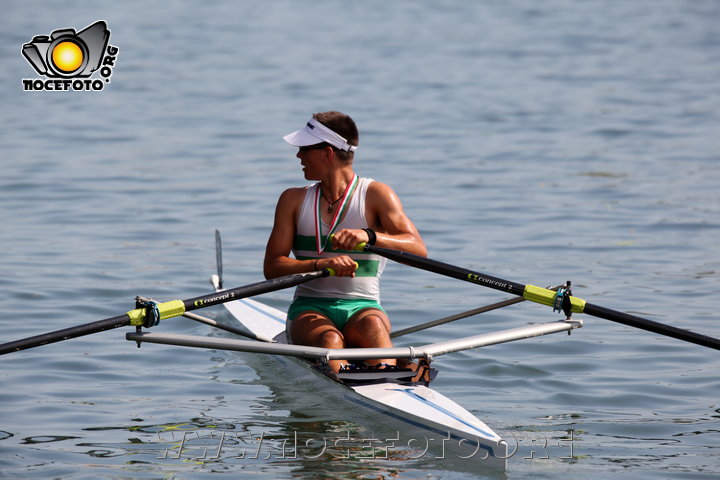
pixel 418 411
pixel 400 398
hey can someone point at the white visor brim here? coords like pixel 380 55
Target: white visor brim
pixel 315 132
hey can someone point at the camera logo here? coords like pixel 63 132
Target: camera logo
pixel 67 57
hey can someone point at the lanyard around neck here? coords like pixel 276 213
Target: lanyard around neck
pixel 320 244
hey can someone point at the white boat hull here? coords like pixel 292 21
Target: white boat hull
pixel 426 418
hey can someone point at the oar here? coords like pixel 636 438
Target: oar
pixel 542 295
pixel 173 308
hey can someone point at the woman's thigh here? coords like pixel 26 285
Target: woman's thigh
pixel 314 328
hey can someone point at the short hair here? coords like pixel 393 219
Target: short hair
pixel 344 126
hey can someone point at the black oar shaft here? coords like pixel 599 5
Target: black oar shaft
pixel 65 334
pixel 543 296
pixel 448 270
pixel 259 288
pixel 652 326
pixel 169 309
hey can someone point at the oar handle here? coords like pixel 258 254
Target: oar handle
pixel 357 248
pixel 331 271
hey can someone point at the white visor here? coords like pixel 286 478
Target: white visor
pixel 314 133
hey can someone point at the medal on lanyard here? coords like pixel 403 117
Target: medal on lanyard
pixel 320 245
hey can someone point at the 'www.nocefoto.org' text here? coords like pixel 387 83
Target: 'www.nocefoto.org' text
pixel 220 444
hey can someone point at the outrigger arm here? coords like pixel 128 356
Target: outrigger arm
pixel 428 351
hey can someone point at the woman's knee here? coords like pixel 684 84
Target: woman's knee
pixel 331 338
pixel 369 330
pixel 373 322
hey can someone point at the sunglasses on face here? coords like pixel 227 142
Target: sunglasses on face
pixel 319 146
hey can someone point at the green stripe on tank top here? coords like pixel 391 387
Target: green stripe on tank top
pixel 366 268
pixel 307 243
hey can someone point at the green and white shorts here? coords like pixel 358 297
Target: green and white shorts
pixel 338 310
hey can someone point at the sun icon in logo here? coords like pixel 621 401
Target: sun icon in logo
pixel 67 56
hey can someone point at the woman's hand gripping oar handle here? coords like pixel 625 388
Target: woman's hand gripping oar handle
pixel 332 271
pixel 359 247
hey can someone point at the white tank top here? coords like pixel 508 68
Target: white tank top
pixel 366 283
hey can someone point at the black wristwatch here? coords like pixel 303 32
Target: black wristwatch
pixel 372 238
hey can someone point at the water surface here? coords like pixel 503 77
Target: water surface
pixel 536 142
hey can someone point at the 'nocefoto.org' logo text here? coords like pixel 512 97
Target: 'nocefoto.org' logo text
pixel 68 58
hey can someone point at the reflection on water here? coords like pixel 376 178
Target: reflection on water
pixel 46 439
pixel 313 448
pixel 303 445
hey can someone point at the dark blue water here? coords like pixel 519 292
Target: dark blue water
pixel 538 142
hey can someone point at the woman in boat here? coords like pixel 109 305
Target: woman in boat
pixel 344 310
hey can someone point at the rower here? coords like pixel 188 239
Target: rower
pixel 320 225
